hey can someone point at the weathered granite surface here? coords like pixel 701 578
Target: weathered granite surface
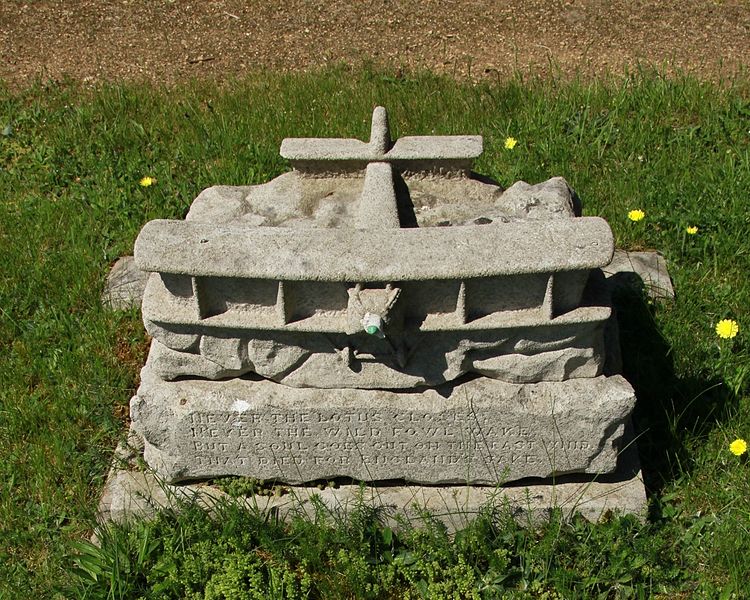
pixel 481 431
pixel 423 200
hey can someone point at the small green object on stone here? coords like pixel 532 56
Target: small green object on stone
pixel 372 329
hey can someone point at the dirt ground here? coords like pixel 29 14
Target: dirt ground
pixel 169 41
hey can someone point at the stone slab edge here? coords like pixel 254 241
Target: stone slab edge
pixel 130 493
pixel 649 269
pixel 125 285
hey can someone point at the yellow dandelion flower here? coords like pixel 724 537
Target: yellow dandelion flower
pixel 636 215
pixel 691 230
pixel 147 181
pixel 727 328
pixel 510 143
pixel 738 447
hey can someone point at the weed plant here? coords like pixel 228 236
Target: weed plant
pixel 70 164
pixel 244 554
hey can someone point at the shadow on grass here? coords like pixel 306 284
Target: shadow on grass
pixel 669 408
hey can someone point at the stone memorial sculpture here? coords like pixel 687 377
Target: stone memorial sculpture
pixel 380 313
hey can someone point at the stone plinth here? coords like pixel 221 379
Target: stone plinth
pixel 648 269
pixel 482 431
pixel 131 493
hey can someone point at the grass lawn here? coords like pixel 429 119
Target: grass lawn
pixel 71 160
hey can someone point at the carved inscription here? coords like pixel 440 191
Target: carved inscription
pixel 376 444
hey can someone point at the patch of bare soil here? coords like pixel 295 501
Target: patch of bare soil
pixel 167 41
